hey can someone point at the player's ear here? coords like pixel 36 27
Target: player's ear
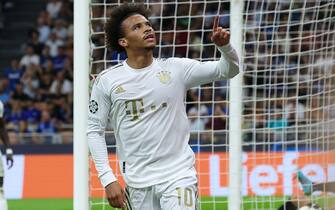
pixel 123 42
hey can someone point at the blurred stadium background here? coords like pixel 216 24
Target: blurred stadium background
pixel 288 96
pixel 36 86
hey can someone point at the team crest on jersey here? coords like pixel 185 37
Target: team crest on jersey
pixel 164 77
pixel 93 106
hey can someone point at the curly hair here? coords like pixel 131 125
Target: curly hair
pixel 113 28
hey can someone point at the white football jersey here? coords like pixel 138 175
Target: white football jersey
pixel 1 109
pixel 147 112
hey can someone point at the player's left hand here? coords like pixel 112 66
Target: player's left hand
pixel 220 36
pixel 9 157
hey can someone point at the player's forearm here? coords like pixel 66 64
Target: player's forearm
pixel 98 149
pixel 228 63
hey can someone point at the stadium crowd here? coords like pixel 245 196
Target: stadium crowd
pixel 37 87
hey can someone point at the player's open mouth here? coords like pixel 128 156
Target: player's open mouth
pixel 149 37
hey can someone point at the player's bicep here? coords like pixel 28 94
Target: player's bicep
pixel 197 73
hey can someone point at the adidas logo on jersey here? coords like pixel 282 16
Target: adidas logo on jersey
pixel 119 89
pixel 164 77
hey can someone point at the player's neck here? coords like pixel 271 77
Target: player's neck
pixel 139 60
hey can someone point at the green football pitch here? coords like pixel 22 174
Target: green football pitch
pixel 207 203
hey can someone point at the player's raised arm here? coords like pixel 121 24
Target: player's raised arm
pixel 197 73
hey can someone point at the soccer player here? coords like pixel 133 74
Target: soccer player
pixel 308 188
pixel 9 156
pixel 143 97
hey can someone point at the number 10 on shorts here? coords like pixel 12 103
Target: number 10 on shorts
pixel 185 197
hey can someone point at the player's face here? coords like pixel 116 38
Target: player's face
pixel 139 33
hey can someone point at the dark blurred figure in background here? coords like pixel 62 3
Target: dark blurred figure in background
pixel 9 156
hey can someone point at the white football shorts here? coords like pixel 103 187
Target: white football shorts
pixel 180 194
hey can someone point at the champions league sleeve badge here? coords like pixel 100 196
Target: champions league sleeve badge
pixel 93 106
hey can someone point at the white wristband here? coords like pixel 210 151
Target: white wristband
pixel 9 151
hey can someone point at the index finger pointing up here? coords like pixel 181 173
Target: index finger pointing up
pixel 215 23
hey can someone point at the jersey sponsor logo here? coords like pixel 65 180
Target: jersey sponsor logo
pixel 134 108
pixel 119 90
pixel 164 77
pixel 93 106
